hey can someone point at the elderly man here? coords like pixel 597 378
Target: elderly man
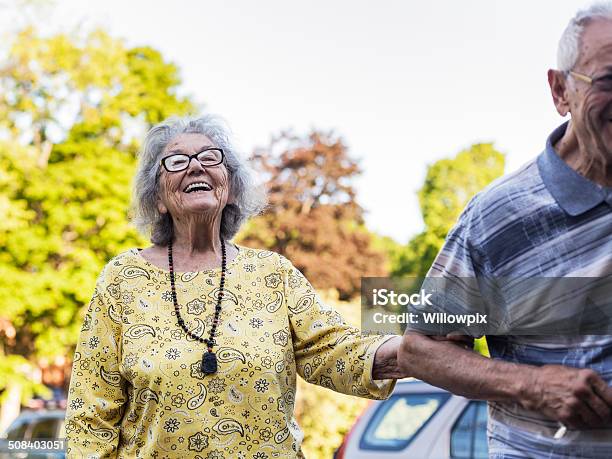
pixel 549 396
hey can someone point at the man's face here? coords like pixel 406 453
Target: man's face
pixel 591 108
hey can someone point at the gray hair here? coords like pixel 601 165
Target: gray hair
pixel 249 198
pixel 568 51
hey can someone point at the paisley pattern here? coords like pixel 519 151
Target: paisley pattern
pixel 227 354
pixel 137 389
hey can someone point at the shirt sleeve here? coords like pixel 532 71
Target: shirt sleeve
pixel 460 282
pixel 327 351
pixel 97 392
pixel 459 256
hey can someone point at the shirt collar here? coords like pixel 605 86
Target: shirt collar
pixel 574 193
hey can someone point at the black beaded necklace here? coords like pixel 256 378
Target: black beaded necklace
pixel 209 359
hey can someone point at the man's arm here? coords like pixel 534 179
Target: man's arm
pixel 578 398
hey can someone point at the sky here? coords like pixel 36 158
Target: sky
pixel 403 83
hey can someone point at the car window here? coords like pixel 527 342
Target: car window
pixel 17 432
pixel 45 428
pixel 469 434
pixel 399 419
pixel 481 445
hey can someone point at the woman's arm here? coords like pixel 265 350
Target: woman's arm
pixel 328 352
pixel 96 397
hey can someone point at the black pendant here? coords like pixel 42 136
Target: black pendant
pixel 209 363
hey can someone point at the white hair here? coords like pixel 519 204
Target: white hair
pixel 249 198
pixel 569 44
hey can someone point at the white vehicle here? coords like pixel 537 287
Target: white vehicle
pixel 419 421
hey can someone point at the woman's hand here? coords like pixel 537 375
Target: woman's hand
pixel 386 362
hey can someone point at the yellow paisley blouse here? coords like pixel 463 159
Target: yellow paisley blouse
pixel 137 391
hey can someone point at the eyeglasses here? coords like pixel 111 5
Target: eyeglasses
pixel 178 162
pixel 602 83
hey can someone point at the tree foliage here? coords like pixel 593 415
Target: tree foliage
pixel 449 185
pixel 313 217
pixel 71 109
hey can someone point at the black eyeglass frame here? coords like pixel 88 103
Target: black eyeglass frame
pixel 190 157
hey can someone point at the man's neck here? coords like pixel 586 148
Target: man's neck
pixel 577 156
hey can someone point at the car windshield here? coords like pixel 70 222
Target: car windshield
pixel 399 419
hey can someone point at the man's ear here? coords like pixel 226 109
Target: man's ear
pixel 559 91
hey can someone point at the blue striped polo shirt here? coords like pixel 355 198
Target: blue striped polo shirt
pixel 544 220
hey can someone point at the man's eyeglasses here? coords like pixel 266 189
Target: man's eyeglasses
pixel 602 83
pixel 178 162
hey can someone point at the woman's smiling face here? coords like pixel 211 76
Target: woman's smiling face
pixel 175 194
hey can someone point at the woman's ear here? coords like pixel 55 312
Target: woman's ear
pixel 161 208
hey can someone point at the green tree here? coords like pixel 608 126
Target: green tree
pixel 71 111
pixel 449 185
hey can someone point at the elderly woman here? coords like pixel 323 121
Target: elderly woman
pixel 190 348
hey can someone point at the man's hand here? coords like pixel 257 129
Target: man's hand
pixel 578 398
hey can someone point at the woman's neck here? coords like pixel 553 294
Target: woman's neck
pixel 196 236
